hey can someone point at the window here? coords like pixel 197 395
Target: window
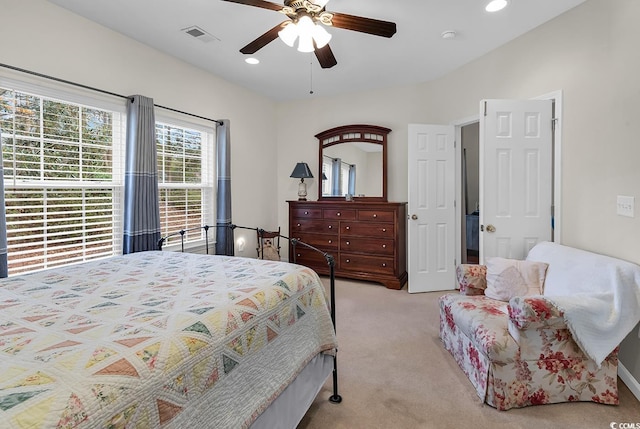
pixel 185 180
pixel 63 182
pixel 340 177
pixel 63 159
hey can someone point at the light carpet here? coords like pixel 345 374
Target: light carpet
pixel 395 374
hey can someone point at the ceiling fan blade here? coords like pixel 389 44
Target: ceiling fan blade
pixel 325 57
pixel 364 25
pixel 263 40
pixel 258 3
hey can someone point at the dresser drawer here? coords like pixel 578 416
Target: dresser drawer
pixel 311 225
pixel 306 213
pixel 309 258
pixel 321 241
pixel 367 229
pixel 368 264
pixel 376 215
pixel 373 246
pixel 339 214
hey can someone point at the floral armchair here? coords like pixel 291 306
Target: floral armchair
pixel 519 353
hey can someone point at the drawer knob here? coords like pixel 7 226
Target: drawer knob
pixel 375 215
pixel 384 229
pixel 348 260
pixel 348 243
pixel 330 226
pixel 348 228
pixel 306 213
pixel 298 254
pixel 384 265
pixel 384 246
pixel 338 214
pixel 330 241
pixel 298 225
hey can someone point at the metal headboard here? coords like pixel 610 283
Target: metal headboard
pixel 182 232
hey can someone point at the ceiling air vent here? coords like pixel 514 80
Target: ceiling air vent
pixel 199 33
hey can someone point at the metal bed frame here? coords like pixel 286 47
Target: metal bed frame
pixel 335 397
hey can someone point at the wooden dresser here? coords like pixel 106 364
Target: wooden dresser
pixel 367 239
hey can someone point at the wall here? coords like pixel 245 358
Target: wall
pixel 103 59
pixel 373 180
pixel 590 53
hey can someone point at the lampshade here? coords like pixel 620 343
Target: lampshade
pixel 324 176
pixel 321 36
pixel 301 171
pixel 289 34
pixel 305 43
pixel 305 34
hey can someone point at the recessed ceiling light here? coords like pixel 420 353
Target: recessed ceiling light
pixel 252 60
pixel 496 5
pixel 449 34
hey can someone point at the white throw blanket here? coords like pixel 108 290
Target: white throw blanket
pixel 599 295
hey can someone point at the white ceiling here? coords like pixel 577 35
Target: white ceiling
pixel 416 53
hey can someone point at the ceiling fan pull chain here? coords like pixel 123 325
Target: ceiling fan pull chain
pixel 310 74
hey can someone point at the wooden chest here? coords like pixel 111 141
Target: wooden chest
pixel 367 239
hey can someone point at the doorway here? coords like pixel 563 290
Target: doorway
pixel 467 160
pixel 470 142
pixel 437 240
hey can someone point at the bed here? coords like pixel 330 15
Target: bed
pixel 163 339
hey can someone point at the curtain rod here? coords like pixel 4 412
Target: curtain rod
pixel 217 121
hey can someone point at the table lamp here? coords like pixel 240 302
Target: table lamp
pixel 302 171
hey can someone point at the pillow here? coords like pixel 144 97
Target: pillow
pixel 507 278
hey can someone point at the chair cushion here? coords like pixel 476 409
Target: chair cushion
pixel 484 321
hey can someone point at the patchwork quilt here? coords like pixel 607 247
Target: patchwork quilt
pixel 156 339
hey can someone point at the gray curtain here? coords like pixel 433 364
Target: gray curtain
pixel 352 179
pixel 336 177
pixel 4 270
pixel 224 233
pixel 141 206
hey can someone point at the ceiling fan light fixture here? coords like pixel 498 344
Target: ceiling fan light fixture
pixel 289 34
pixel 305 19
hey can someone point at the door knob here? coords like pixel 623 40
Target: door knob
pixel 491 228
pixel 414 217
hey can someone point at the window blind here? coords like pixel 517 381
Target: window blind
pixel 62 165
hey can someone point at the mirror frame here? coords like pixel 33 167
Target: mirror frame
pixel 352 134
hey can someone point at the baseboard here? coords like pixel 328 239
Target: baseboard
pixel 629 381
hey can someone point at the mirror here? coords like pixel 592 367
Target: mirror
pixel 352 163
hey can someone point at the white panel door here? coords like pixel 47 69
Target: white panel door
pixel 515 176
pixel 431 224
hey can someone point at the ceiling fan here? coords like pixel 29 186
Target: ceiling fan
pixel 305 22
